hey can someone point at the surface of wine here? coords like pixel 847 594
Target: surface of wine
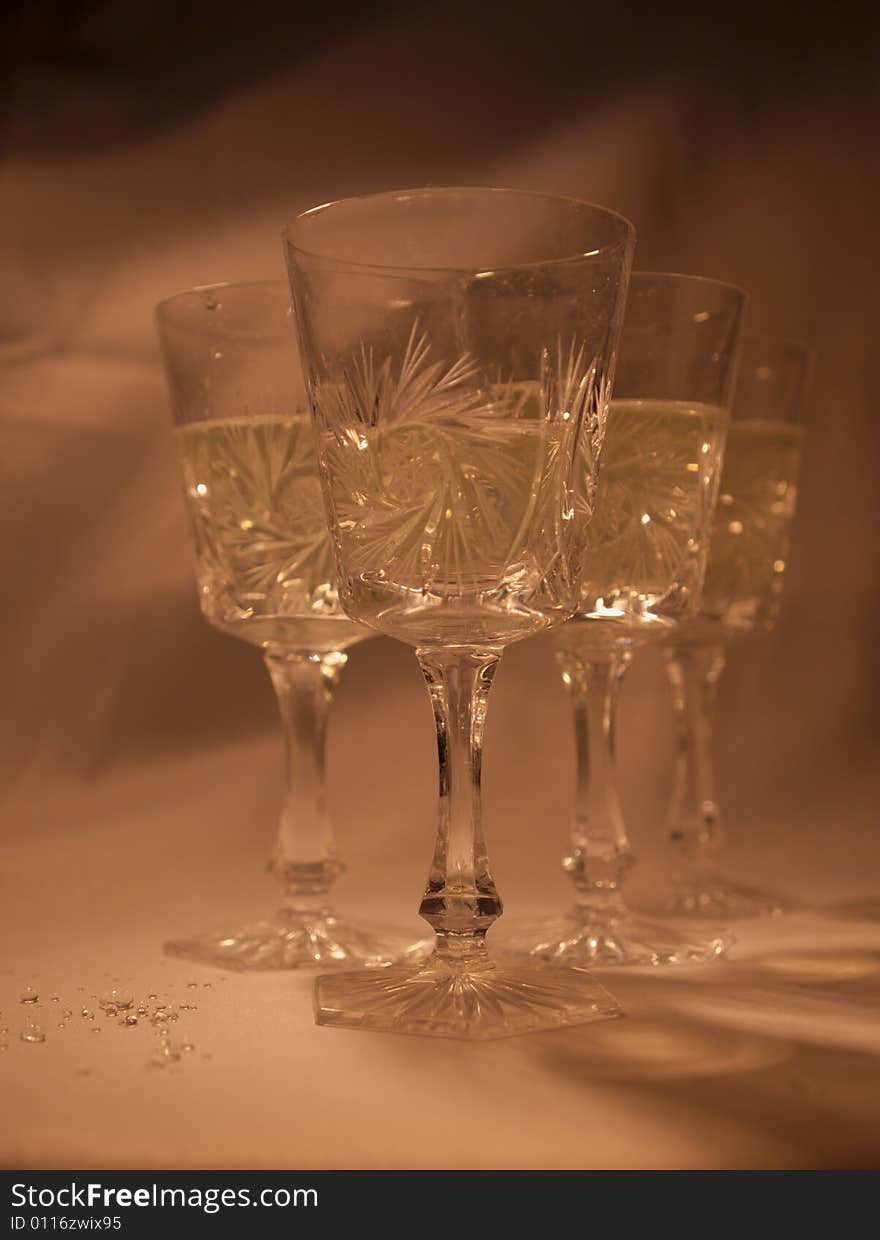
pixel 456 526
pixel 648 538
pixel 750 537
pixel 264 557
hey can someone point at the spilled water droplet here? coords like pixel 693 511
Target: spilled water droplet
pixel 87 1015
pixel 54 999
pixel 97 1029
pixel 117 999
pixel 129 1019
pixel 32 1033
pixel 28 995
pixel 66 1013
pixel 192 985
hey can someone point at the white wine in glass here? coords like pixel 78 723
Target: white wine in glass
pixel 752 529
pixel 658 476
pixel 263 552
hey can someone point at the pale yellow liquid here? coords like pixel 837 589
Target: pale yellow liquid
pixel 456 527
pixel 648 537
pixel 264 558
pixel 750 538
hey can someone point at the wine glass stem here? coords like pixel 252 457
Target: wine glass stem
pixel 306 862
pixel 694 820
pixel 600 855
pixel 461 900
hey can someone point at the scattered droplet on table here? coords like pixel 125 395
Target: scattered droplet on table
pixel 28 995
pixel 32 1033
pixel 117 999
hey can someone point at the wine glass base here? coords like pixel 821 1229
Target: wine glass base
pixel 478 1003
pixel 612 940
pixel 715 897
pixel 294 943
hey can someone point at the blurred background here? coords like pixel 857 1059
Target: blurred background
pixel 150 145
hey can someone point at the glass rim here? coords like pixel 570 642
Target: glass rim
pixel 627 238
pixel 693 279
pixel 161 308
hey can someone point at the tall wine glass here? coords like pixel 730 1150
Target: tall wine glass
pixel 658 477
pixel 744 579
pixel 459 346
pixel 265 575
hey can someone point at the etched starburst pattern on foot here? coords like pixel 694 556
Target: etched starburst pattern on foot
pixel 614 940
pixel 318 940
pixel 441 1000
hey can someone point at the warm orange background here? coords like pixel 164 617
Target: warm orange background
pixel 143 154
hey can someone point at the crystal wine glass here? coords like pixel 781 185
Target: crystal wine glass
pixel 741 595
pixel 265 574
pixel 658 476
pixel 459 346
